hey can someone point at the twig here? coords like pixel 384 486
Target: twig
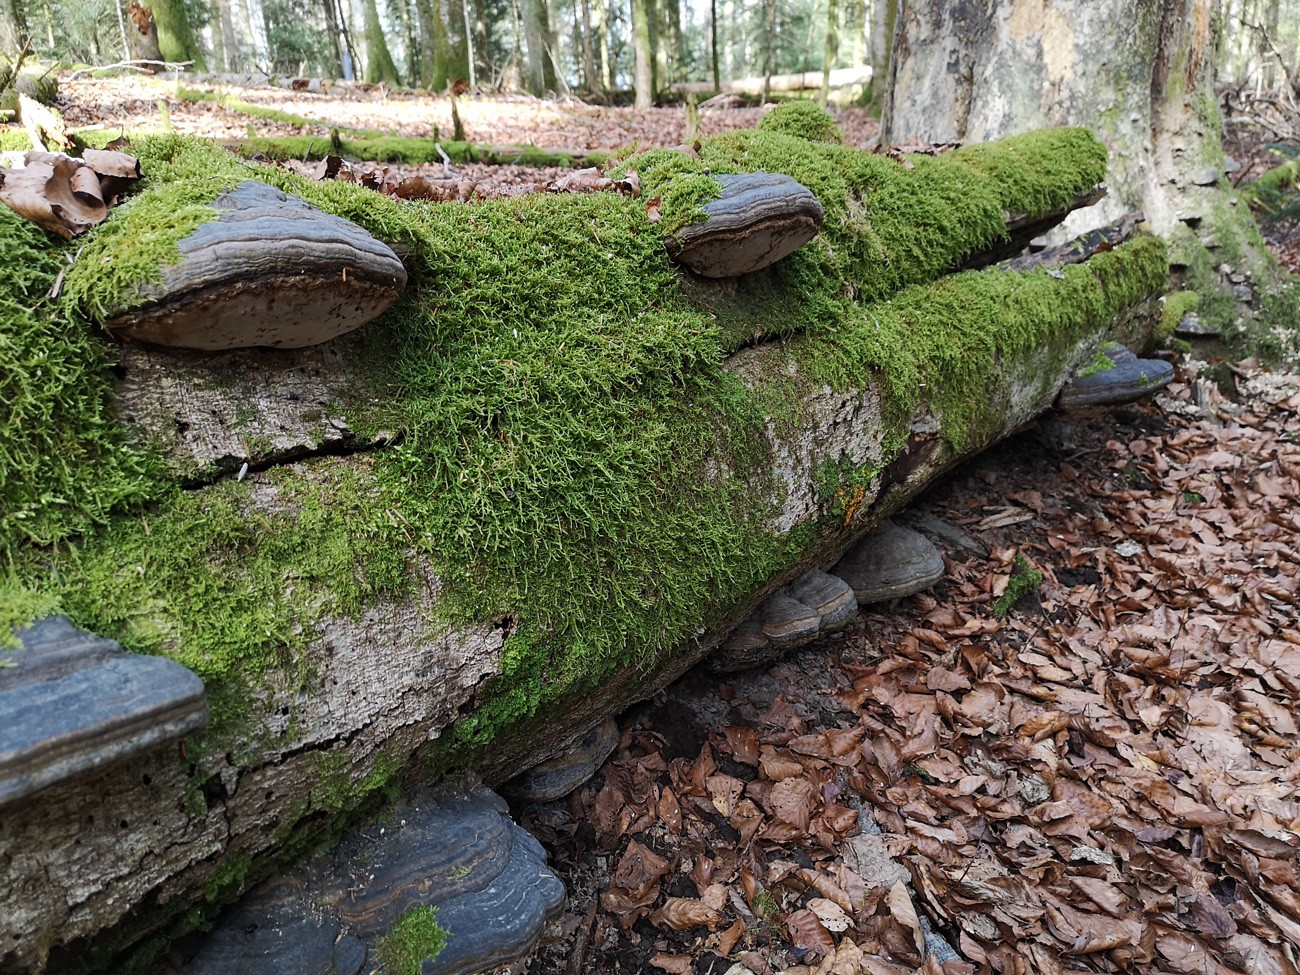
pixel 134 66
pixel 446 161
pixel 582 940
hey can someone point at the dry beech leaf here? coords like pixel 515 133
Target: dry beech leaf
pixel 727 939
pixel 792 801
pixel 676 964
pixel 670 810
pixel 59 193
pixel 589 180
pixel 680 913
pixel 830 914
pixel 806 932
pixel 639 869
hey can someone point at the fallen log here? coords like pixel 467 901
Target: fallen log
pixel 543 489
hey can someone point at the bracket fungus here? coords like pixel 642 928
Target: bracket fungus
pixel 815 603
pixel 1121 378
pixel 758 219
pixel 269 270
pixel 890 563
pixel 560 775
pixel 71 702
pixel 453 848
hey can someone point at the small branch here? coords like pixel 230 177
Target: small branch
pixel 134 66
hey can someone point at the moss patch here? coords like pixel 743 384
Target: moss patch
pixel 804 120
pixel 415 937
pixel 412 151
pixel 1177 306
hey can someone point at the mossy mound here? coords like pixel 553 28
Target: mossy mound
pixel 804 120
pixel 564 410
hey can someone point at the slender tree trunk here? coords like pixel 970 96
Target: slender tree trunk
pixel 426 15
pixel 121 26
pixel 410 34
pixel 713 43
pixel 380 67
pixel 831 50
pixel 884 15
pixel 451 44
pixel 600 25
pixel 13 27
pixel 643 48
pixel 332 27
pixel 591 77
pixel 538 45
pixel 769 49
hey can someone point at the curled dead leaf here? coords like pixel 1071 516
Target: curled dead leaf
pixel 676 964
pixel 59 193
pixel 680 913
pixel 807 932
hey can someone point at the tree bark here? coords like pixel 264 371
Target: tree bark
pixel 643 49
pixel 831 50
pixel 1142 76
pixel 379 60
pixel 13 27
pixel 539 43
pixel 884 15
pixel 175 36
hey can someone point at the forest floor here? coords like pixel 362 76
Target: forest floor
pixel 1105 778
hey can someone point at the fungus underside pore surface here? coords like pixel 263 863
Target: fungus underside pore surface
pixel 561 397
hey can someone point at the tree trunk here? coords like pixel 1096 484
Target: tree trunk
pixel 175 36
pixel 831 49
pixel 591 76
pixel 142 34
pixel 13 27
pixel 600 28
pixel 379 60
pixel 335 34
pixel 451 44
pixel 769 49
pixel 713 43
pixel 884 15
pixel 643 48
pixel 539 43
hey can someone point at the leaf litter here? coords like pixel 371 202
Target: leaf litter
pixel 1104 780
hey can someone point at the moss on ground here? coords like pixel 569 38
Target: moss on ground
pixel 803 119
pixel 409 150
pixel 562 401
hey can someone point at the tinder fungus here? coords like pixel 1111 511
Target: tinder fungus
pixel 71 703
pixel 758 219
pixel 890 563
pixel 269 269
pixel 453 848
pixel 1121 378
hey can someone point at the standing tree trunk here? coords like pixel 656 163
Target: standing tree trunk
pixel 380 67
pixel 332 26
pixel 713 43
pixel 450 44
pixel 13 27
pixel 539 44
pixel 600 29
pixel 643 47
pixel 142 33
pixel 1141 75
pixel 175 36
pixel 884 15
pixel 769 49
pixel 969 72
pixel 831 50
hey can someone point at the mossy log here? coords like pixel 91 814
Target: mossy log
pixel 555 478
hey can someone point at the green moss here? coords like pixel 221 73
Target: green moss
pixel 1100 363
pixel 804 120
pixel 1177 306
pixel 19 606
pixel 1276 338
pixel 14 138
pixel 415 937
pixel 1024 580
pixel 65 463
pixel 886 226
pixel 408 150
